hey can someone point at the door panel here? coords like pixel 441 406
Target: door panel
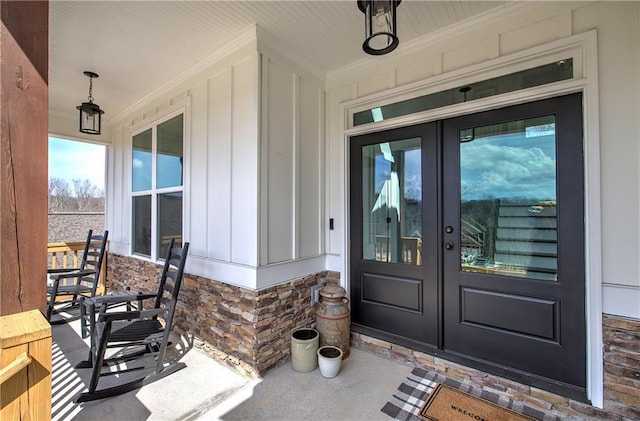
pixel 479 308
pixel 514 269
pixel 394 233
pixel 401 293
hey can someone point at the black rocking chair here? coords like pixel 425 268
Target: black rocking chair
pixel 87 276
pixel 147 329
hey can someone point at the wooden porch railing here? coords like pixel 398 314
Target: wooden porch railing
pixel 410 254
pixel 69 255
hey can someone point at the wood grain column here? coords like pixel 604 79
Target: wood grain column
pixel 24 43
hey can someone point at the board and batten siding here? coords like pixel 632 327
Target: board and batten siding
pixel 291 163
pixel 253 169
pixel 512 30
pixel 242 225
pixel 223 147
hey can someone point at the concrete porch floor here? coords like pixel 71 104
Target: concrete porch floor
pixel 207 390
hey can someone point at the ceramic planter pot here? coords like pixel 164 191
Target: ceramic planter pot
pixel 304 345
pixel 329 360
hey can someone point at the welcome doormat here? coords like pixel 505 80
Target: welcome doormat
pixel 447 403
pixel 411 396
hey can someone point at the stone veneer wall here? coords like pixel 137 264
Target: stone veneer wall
pixel 622 365
pixel 245 329
pixel 622 374
pixel 250 332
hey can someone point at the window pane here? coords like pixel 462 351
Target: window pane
pixel 141 165
pixel 537 76
pixel 169 221
pixel 508 199
pixel 142 225
pixel 169 160
pixel 392 202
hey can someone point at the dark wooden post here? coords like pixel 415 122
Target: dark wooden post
pixel 24 43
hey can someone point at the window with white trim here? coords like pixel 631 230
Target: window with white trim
pixel 157 169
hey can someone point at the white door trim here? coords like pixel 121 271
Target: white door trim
pixel 583 49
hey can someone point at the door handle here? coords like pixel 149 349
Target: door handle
pixel 448 246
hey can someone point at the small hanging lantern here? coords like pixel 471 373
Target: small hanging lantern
pixel 380 25
pixel 90 113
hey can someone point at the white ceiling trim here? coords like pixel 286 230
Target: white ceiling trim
pixel 247 36
pixel 266 39
pixel 143 49
pixel 368 64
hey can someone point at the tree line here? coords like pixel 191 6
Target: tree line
pixel 81 196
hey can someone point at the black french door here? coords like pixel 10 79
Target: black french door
pixel 467 240
pixel 394 227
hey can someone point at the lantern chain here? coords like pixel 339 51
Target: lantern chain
pixel 90 89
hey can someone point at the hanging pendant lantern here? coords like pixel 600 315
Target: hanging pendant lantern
pixel 90 113
pixel 380 26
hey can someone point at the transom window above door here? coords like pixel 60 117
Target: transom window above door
pixel 536 76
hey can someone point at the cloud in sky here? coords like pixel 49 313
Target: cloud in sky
pixel 493 170
pixel 70 160
pixel 513 165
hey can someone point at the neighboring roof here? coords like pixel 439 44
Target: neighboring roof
pixel 73 226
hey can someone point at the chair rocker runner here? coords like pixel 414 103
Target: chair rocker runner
pixel 87 275
pixel 146 328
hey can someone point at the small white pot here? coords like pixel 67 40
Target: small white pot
pixel 329 360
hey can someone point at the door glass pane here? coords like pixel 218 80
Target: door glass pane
pixel 169 161
pixel 508 199
pixel 169 221
pixel 142 225
pixel 141 161
pixel 392 202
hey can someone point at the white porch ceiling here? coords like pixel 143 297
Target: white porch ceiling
pixel 139 46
